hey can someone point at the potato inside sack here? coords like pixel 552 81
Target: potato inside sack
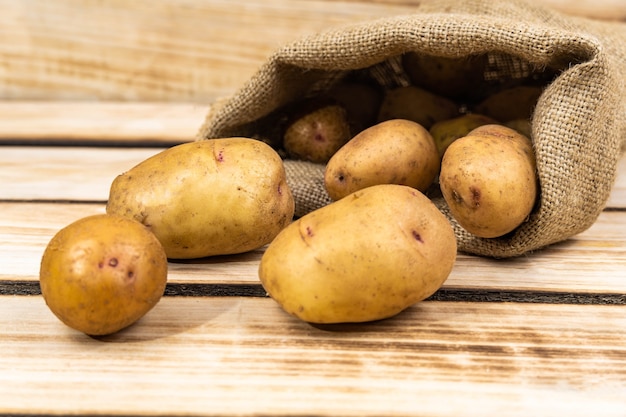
pixel 416 104
pixel 447 131
pixel 515 103
pixel 361 99
pixel 365 257
pixel 458 78
pixel 210 197
pixel 317 129
pixel 488 179
pixel 392 152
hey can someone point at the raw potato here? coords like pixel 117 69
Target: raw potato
pixel 365 257
pixel 102 273
pixel 416 104
pixel 205 198
pixel 447 131
pixel 392 152
pixel 488 178
pixel 457 78
pixel 361 102
pixel 317 132
pixel 513 103
pixel 523 126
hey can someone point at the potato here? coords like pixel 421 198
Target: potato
pixel 205 198
pixel 317 130
pixel 365 257
pixel 509 104
pixel 488 179
pixel 416 104
pixel 457 78
pixel 523 126
pixel 392 152
pixel 102 273
pixel 447 131
pixel 361 101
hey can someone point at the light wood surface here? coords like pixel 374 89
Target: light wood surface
pixel 88 89
pixel 95 122
pixel 234 355
pixel 173 50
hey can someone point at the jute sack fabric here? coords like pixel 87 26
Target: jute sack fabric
pixel 578 126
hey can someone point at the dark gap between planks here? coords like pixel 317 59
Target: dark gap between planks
pixel 26 288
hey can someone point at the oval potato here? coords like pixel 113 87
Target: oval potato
pixel 488 179
pixel 205 198
pixel 392 152
pixel 102 273
pixel 365 257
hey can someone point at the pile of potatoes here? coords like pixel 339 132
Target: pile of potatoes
pixel 440 132
pixel 380 247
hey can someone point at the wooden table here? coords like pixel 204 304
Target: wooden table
pixel 94 89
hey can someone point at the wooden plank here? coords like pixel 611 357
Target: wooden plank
pixel 85 174
pixel 605 9
pixel 179 50
pixel 244 356
pixel 64 173
pixel 27 122
pixel 592 262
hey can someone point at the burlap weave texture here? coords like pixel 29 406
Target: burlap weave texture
pixel 578 127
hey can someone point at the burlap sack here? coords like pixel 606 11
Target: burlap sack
pixel 578 127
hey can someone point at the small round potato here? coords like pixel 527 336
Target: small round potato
pixel 392 152
pixel 102 273
pixel 488 179
pixel 210 197
pixel 365 257
pixel 317 131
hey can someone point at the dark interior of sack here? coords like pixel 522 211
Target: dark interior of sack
pixel 467 82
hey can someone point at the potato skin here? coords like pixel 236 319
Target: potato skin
pixel 317 131
pixel 510 104
pixel 205 198
pixel 392 152
pixel 361 101
pixel 365 257
pixel 102 273
pixel 417 104
pixel 447 131
pixel 488 179
pixel 459 78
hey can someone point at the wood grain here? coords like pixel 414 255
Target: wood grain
pixel 106 123
pixel 64 173
pixel 244 356
pixel 605 9
pixel 172 50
